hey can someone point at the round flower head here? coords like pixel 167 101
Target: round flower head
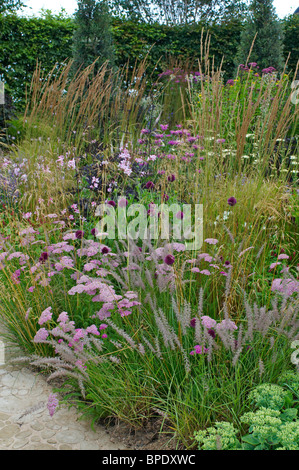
pixel 123 202
pixel 208 322
pixel 149 185
pixel 212 333
pixel 171 178
pixel 111 203
pixel 232 201
pixel 79 234
pixel 169 260
pixel 43 257
pixel 180 215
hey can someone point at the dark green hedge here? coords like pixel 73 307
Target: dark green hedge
pixel 23 41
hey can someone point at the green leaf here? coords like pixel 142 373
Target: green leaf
pixel 249 439
pixel 289 414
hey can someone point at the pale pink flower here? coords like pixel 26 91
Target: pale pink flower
pixel 46 316
pixel 208 322
pixel 211 241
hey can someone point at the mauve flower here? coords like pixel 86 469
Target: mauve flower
pixel 111 203
pixel 227 324
pixel 165 197
pixel 52 404
pixel 169 259
pixel 123 202
pixel 46 316
pixel 41 335
pixel 79 234
pixel 180 215
pixel 232 201
pixel 211 241
pixel 208 322
pixel 273 265
pixel 198 350
pixel 283 256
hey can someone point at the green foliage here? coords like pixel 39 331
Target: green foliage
pixel 49 39
pixel 291 43
pixel 263 23
pixel 7 6
pixel 24 41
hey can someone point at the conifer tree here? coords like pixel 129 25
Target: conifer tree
pixel 92 37
pixel 263 22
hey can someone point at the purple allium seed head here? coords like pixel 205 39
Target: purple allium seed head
pixel 43 257
pixel 149 185
pixel 171 178
pixel 193 322
pixel 105 250
pixel 232 201
pixel 111 203
pixel 169 260
pixel 212 333
pixel 79 234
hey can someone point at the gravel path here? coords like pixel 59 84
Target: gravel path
pixel 25 422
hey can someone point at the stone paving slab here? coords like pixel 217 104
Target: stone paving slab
pixel 25 423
